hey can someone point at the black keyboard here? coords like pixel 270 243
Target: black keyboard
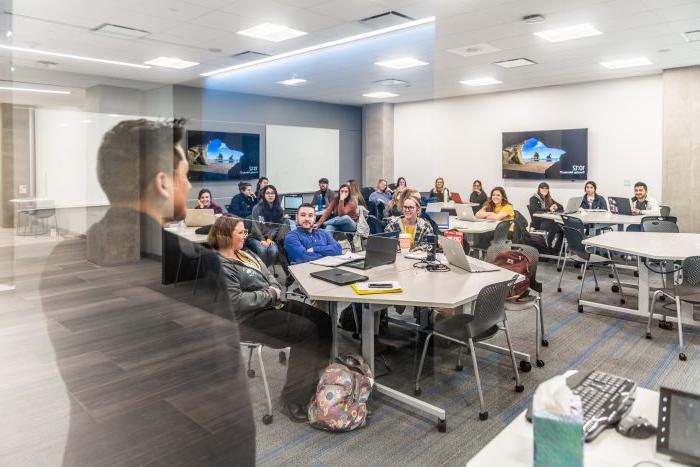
pixel 606 399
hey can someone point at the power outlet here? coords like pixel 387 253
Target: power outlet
pixel 22 189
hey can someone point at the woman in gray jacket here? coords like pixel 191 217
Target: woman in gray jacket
pixel 255 296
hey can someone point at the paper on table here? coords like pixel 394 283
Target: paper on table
pixel 333 261
pixel 363 288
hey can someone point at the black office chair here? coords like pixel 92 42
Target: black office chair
pixel 375 225
pixel 501 232
pixel 465 329
pixel 366 191
pixel 392 186
pixel 688 290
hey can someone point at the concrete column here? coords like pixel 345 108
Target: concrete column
pixel 681 145
pixel 377 143
pixel 15 158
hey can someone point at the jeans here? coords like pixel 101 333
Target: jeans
pixel 267 254
pixel 308 331
pixel 340 224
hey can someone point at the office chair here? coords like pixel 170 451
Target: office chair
pixel 662 224
pixel 500 233
pixel 366 191
pixel 665 211
pixel 375 225
pixel 191 251
pixel 488 318
pixel 687 291
pixel 256 346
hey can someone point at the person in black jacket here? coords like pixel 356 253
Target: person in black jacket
pixel 542 201
pixel 592 200
pixel 269 226
pixel 242 204
pixel 478 196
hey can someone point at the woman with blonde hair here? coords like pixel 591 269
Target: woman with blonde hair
pixel 439 192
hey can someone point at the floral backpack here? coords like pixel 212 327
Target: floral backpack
pixel 341 397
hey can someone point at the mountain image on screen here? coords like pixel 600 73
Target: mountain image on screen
pixel 536 150
pixel 219 156
pixel 548 154
pixel 217 151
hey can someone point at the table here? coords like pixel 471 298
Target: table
pixel 454 289
pixel 472 227
pixel 594 217
pixel 27 206
pixel 513 446
pixel 651 245
pixel 170 253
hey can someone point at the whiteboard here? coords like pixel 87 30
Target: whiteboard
pixel 298 156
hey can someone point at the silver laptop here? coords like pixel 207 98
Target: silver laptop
pixel 466 213
pixel 199 217
pixel 442 219
pixel 454 253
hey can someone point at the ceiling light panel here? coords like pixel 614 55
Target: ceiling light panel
pixel 272 32
pixel 568 33
pixel 171 62
pixel 401 63
pixel 34 90
pixel 692 36
pixel 380 95
pixel 71 56
pixel 517 62
pixel 122 32
pixel 626 63
pixel 292 81
pixel 481 81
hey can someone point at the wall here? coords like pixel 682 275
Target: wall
pixel 460 138
pixel 681 163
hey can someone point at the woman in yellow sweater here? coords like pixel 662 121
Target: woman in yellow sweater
pixel 497 208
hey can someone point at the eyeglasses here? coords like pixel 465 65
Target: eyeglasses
pixel 409 208
pixel 244 233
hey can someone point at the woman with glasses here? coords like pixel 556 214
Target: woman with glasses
pixel 268 226
pixel 255 297
pixel 411 222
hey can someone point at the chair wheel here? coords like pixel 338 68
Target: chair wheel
pixel 267 419
pixel 459 367
pixel 525 366
pixel 682 357
pixel 483 416
pixel 558 269
pixel 615 288
pixel 597 289
pixel 251 373
pixel 282 357
pixel 611 276
pixel 648 335
pixel 559 289
pixel 580 308
pixel 623 301
pixel 417 392
pixel 519 388
pixel 442 426
pixel 545 343
pixel 539 363
pixel 662 297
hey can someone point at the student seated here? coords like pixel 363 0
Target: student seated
pixel 204 201
pixel 382 195
pixel 307 243
pixel 269 226
pixel 411 222
pixel 542 201
pixel 497 207
pixel 477 195
pixel 642 204
pixel 324 193
pixel 356 192
pixel 242 204
pixel 262 183
pixel 400 185
pixel 439 192
pixel 344 208
pixel 591 199
pixel 255 297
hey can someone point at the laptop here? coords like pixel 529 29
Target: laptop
pixel 455 255
pixel 442 219
pixel 620 205
pixel 466 213
pixel 433 207
pixel 291 203
pixel 380 251
pixel 199 217
pixel 338 276
pixel 457 198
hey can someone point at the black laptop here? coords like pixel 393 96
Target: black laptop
pixel 380 251
pixel 338 276
pixel 620 205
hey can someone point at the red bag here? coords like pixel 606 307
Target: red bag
pixel 518 263
pixel 455 234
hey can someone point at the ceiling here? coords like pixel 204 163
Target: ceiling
pixel 204 31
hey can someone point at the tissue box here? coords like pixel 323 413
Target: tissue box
pixel 558 440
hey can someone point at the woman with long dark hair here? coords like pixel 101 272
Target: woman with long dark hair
pixel 341 215
pixel 497 207
pixel 262 183
pixel 477 196
pixel 269 226
pixel 591 199
pixel 206 201
pixel 542 201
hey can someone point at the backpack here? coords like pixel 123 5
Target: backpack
pixel 340 403
pixel 519 263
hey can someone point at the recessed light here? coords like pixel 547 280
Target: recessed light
pixel 37 90
pixel 12 68
pixel 626 63
pixel 272 32
pixel 532 19
pixel 292 81
pixel 474 49
pixel 480 81
pixel 171 62
pixel 324 45
pixel 74 57
pixel 691 36
pixel 568 33
pixel 401 63
pixel 380 95
pixel 516 62
pixel 391 82
pixel 121 32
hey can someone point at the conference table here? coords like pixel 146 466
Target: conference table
pixel 593 217
pixel 513 446
pixel 453 289
pixel 649 245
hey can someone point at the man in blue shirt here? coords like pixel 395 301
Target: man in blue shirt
pixel 306 243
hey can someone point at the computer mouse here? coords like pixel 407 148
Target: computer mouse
pixel 636 427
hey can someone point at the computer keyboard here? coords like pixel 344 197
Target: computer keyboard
pixel 606 399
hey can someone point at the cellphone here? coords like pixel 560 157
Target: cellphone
pixel 380 285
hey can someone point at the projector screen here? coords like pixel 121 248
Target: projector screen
pixel 297 157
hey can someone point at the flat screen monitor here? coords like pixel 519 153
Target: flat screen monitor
pixel 548 154
pixel 292 202
pixel 220 156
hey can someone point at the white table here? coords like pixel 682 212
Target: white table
pixel 472 227
pixel 594 217
pixel 651 245
pixel 188 233
pixel 454 289
pixel 513 447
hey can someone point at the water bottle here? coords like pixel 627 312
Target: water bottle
pixel 319 206
pixel 430 247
